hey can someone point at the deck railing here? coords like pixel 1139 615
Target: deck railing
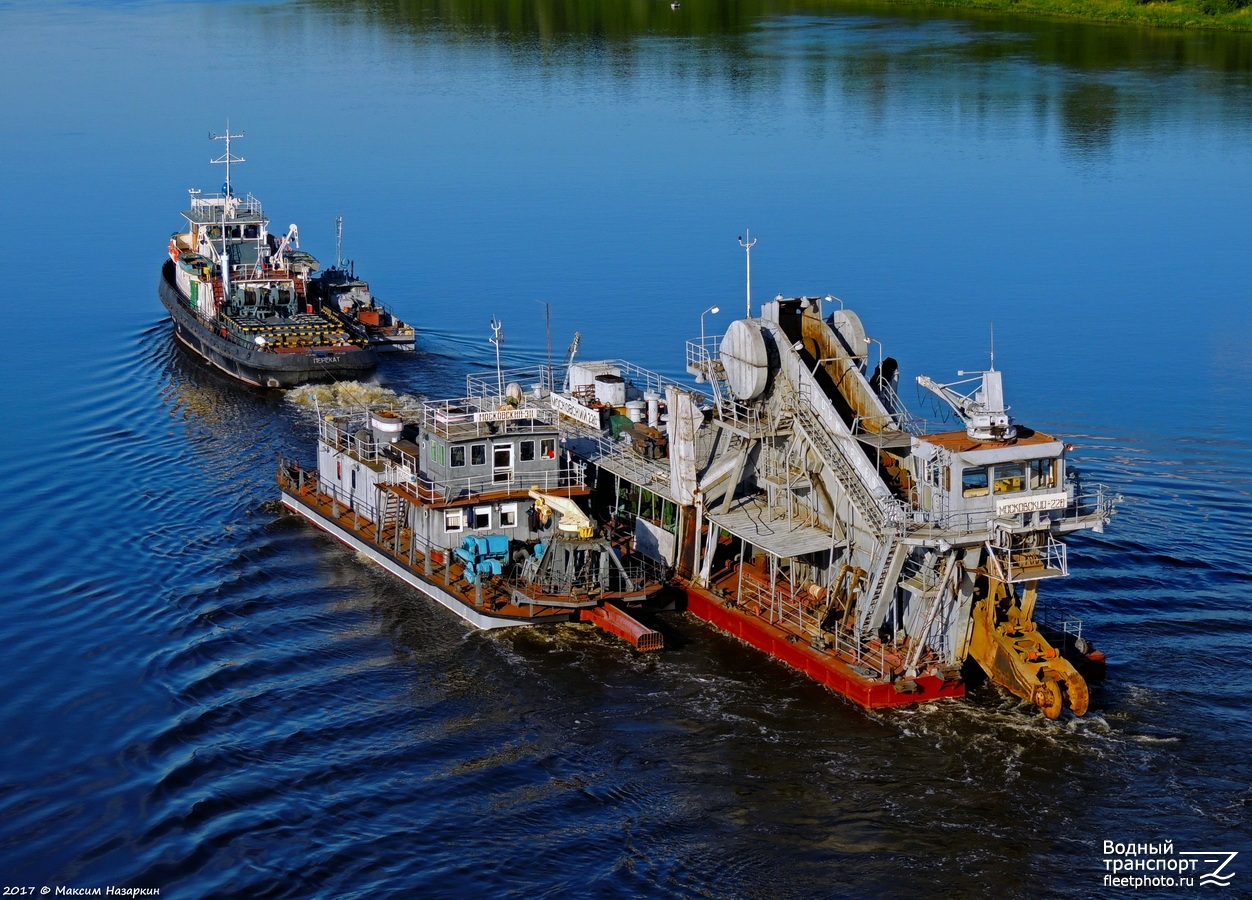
pixel 207 208
pixel 432 492
pixel 781 605
pixel 1091 504
pixel 485 417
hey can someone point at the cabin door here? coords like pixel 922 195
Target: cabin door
pixel 502 463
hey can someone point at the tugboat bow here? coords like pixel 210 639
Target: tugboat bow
pixel 239 296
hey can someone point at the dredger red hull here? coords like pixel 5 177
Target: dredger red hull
pixel 830 671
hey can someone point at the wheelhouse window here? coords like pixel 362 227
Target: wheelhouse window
pixel 478 454
pixel 453 520
pixel 1010 478
pixel 457 456
pixel 974 482
pixel 1042 473
pixel 526 451
pixel 547 447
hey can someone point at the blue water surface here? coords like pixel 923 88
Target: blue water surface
pixel 203 695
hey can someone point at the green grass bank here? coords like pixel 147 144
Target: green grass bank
pixel 1225 15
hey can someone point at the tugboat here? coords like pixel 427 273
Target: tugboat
pixel 473 503
pixel 342 296
pixel 239 296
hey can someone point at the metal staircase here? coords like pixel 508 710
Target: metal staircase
pixel 814 432
pixel 393 513
pixel 886 567
pixel 935 596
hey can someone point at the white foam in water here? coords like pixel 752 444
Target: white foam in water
pixel 343 394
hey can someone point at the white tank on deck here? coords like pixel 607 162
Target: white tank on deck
pixel 611 390
pixel 386 426
pixel 584 374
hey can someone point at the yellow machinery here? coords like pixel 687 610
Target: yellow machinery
pixel 573 520
pixel 1007 644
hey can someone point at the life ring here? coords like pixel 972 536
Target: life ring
pixel 173 250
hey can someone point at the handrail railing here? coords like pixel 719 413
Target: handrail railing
pixel 781 604
pixel 640 572
pixel 1094 503
pixel 209 207
pixel 874 508
pixel 433 492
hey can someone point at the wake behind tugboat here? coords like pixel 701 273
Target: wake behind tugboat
pixel 239 296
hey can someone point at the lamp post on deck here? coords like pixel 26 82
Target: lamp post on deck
pixel 712 309
pixel 702 359
pixel 868 341
pixel 877 389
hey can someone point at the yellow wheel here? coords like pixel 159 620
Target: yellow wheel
pixel 1076 688
pixel 1048 697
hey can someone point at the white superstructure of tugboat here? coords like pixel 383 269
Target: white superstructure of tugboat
pixel 238 296
pixel 474 503
pixel 347 299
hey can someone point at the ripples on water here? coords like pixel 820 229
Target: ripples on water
pixel 207 695
pixel 260 712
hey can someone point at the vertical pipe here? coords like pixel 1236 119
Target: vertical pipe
pixel 696 540
pixel 743 558
pixel 773 584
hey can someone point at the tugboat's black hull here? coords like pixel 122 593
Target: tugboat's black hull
pixel 251 365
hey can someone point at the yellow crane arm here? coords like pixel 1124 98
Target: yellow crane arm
pixel 573 519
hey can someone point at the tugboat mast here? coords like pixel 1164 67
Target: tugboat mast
pixel 226 157
pixel 227 193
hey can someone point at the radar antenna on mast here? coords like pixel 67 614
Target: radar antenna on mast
pixel 226 158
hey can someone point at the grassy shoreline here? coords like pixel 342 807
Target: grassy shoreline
pixel 1220 15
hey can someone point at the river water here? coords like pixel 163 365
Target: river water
pixel 203 695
